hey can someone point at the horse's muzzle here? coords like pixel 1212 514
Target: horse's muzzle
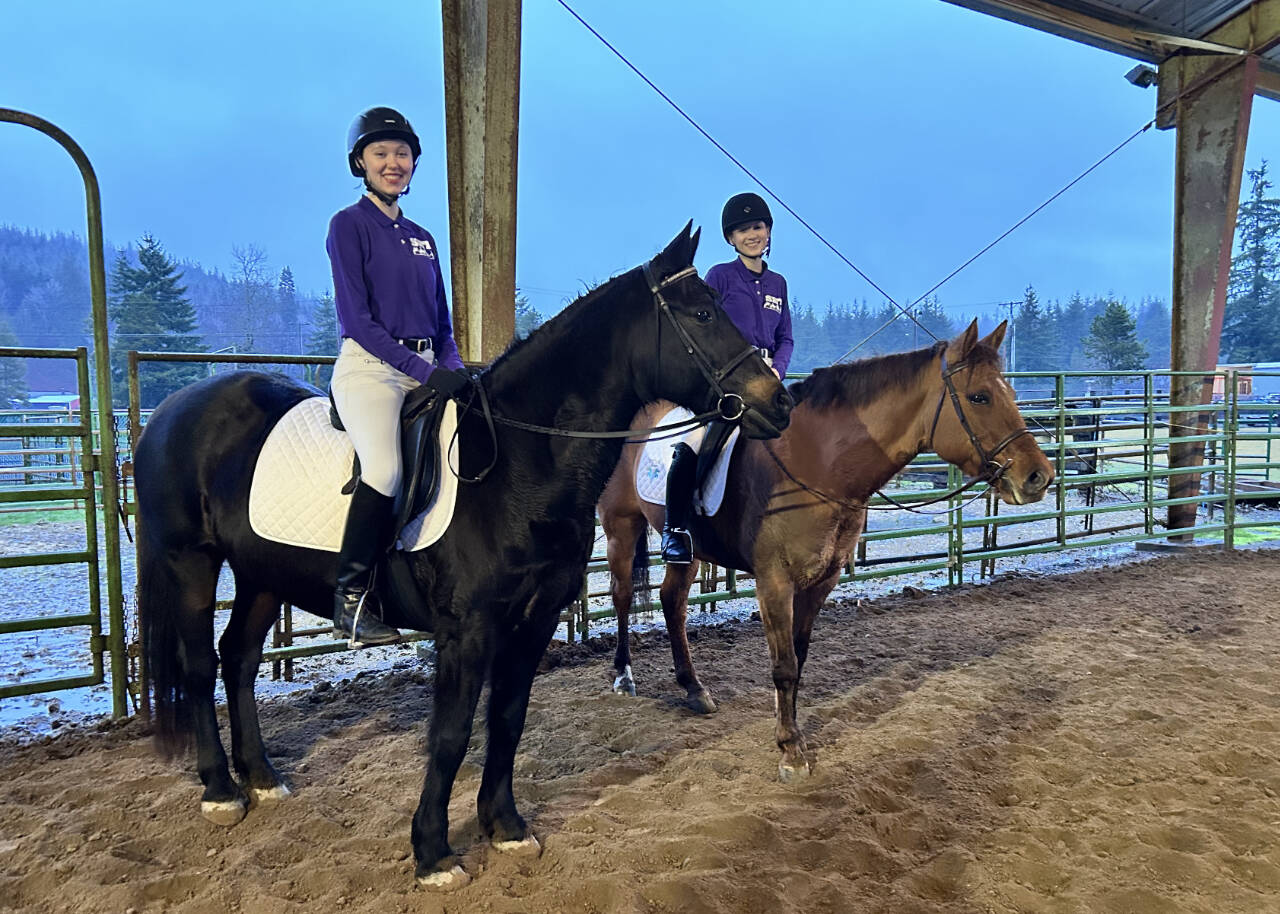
pixel 756 423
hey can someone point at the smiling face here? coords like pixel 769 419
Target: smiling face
pixel 388 166
pixel 750 239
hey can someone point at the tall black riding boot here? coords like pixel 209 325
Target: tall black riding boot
pixel 677 544
pixel 355 608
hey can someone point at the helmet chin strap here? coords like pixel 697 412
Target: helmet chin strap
pixel 387 199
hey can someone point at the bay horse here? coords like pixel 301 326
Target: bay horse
pixel 794 508
pixel 491 590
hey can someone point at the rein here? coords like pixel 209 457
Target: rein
pixel 991 470
pixel 730 407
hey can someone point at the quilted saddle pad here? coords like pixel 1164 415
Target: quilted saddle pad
pixel 655 461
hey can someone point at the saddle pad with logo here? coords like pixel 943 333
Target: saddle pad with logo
pixel 296 495
pixel 655 461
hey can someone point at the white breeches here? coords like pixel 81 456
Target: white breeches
pixel 369 393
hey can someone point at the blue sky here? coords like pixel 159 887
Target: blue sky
pixel 911 134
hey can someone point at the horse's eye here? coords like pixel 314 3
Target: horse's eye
pixel 703 316
pixel 979 399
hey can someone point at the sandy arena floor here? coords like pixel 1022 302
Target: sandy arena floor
pixel 1105 742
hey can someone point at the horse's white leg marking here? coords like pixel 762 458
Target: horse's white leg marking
pixel 224 812
pixel 625 684
pixel 445 880
pixel 526 847
pixel 267 796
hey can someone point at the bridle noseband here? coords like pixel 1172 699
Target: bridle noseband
pixel 991 470
pixel 729 406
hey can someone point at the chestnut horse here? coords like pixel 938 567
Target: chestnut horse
pixel 795 507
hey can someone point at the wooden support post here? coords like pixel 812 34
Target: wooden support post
pixel 482 114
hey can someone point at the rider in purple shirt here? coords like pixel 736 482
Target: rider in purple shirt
pixel 755 298
pixel 396 335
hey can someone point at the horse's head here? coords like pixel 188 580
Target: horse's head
pixel 700 360
pixel 977 425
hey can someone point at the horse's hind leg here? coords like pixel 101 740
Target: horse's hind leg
pixel 624 536
pixel 196 573
pixel 675 607
pixel 252 616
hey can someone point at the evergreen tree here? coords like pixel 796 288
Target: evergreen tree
pixel 323 340
pixel 150 312
pixel 934 320
pixel 1251 328
pixel 810 342
pixel 13 372
pixel 1035 343
pixel 528 318
pixel 1112 342
pixel 287 295
pixel 1154 325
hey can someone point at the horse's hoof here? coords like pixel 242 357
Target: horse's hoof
pixel 445 880
pixel 269 796
pixel 525 847
pixel 224 812
pixel 624 684
pixel 789 774
pixel 702 702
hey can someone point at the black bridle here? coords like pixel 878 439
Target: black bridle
pixel 730 407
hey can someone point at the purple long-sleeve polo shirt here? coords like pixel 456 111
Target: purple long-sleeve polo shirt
pixel 758 307
pixel 388 287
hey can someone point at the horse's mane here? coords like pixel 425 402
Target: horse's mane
pixel 544 332
pixel 857 383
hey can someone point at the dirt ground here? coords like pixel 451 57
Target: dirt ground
pixel 1105 742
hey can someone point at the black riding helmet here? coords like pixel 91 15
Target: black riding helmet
pixel 744 208
pixel 379 124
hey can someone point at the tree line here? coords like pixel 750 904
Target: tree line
pixel 157 303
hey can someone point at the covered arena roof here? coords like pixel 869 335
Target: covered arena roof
pixel 1154 30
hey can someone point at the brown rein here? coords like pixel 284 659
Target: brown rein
pixel 991 473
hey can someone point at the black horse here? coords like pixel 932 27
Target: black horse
pixel 491 591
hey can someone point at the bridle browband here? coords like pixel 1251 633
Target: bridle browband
pixel 991 470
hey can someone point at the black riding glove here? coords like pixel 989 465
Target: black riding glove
pixel 450 383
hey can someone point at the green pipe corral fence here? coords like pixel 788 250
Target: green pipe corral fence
pixel 1107 434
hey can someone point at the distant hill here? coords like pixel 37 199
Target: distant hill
pixel 45 298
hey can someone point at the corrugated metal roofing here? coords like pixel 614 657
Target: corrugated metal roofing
pixel 1111 24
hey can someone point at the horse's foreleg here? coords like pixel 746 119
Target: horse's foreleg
pixel 514 665
pixel 675 608
pixel 462 662
pixel 775 598
pixel 623 540
pixel 241 649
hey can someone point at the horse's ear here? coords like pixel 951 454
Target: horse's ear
pixel 996 336
pixel 679 253
pixel 693 242
pixel 962 345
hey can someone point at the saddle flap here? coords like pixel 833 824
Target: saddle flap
pixel 419 430
pixel 713 469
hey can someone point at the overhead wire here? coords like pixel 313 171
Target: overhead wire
pixel 901 311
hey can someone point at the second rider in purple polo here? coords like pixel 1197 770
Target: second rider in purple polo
pixel 755 298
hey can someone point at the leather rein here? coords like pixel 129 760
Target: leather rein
pixel 730 406
pixel 992 471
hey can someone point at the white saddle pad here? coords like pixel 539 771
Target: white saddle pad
pixel 296 495
pixel 655 462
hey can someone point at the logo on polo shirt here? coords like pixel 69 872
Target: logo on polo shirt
pixel 422 247
pixel 773 303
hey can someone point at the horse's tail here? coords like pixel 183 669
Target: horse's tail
pixel 159 599
pixel 641 586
